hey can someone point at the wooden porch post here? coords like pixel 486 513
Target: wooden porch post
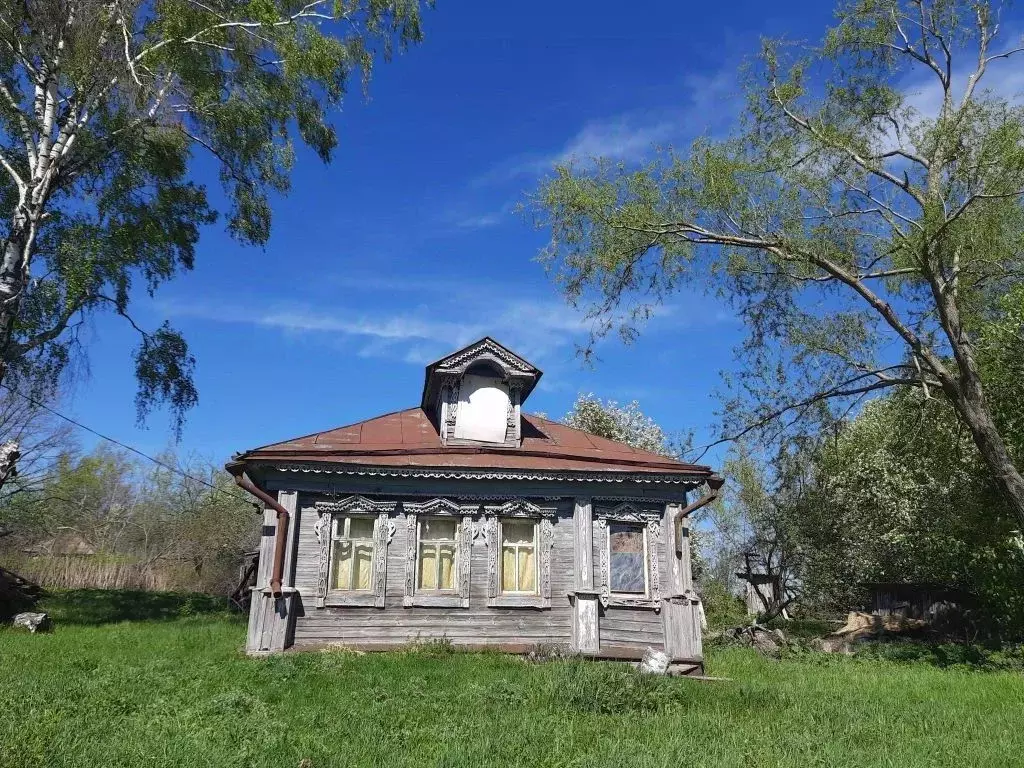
pixel 585 635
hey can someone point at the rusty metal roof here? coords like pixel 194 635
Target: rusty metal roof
pixel 410 439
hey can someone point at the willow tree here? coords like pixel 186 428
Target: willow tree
pixel 106 110
pixel 864 217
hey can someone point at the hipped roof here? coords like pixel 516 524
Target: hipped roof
pixel 409 439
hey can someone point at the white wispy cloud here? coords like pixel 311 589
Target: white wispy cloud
pixel 535 327
pixel 479 220
pixel 543 328
pixel 705 103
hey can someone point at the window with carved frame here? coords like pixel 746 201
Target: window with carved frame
pixel 439 539
pixel 353 535
pixel 627 559
pixel 519 535
pixel 518 563
pixel 629 541
pixel 437 553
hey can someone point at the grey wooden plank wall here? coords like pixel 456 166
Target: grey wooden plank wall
pixel 397 624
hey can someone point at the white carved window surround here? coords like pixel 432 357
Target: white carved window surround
pixel 345 530
pixel 424 577
pixel 514 514
pixel 639 582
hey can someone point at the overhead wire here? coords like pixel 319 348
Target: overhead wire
pixel 125 446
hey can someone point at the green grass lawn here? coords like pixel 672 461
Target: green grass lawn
pixel 174 689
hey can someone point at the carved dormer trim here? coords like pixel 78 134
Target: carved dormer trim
pixel 444 386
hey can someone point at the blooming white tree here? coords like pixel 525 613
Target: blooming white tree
pixel 625 423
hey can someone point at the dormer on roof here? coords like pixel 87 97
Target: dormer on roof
pixel 475 394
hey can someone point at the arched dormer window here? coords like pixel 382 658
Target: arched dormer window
pixel 484 403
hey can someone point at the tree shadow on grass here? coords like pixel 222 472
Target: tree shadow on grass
pixel 92 607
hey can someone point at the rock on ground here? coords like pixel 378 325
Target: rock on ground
pixel 654 662
pixel 33 622
pixel 769 642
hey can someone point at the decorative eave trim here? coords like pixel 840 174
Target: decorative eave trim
pixel 645 478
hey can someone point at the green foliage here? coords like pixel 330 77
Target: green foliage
pixel 101 138
pixel 864 236
pixel 179 693
pixel 126 512
pixel 964 656
pixel 722 608
pixel 95 607
pixel 901 494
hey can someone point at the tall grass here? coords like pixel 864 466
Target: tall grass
pixel 174 689
pixel 97 572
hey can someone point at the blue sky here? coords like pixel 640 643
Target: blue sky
pixel 407 246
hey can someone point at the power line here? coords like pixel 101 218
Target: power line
pixel 127 447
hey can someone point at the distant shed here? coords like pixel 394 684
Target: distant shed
pixel 759 588
pixel 916 600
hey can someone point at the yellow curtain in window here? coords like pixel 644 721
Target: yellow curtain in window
pixel 447 574
pixel 362 567
pixel 428 568
pixel 508 569
pixel 527 570
pixel 342 565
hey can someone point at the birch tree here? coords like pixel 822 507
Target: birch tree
pixel 864 218
pixel 105 108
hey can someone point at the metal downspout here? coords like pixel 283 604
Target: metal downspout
pixel 715 483
pixel 237 471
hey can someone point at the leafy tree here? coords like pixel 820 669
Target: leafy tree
pixel 92 496
pixel 900 494
pixel 105 108
pixel 40 436
pixel 192 529
pixel 624 423
pixel 753 532
pixel 863 233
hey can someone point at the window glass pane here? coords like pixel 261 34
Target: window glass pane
pixel 361 528
pixel 435 528
pixel 508 569
pixel 626 538
pixel 446 579
pixel 527 570
pixel 516 532
pixel 627 569
pixel 428 566
pixel 362 566
pixel 342 565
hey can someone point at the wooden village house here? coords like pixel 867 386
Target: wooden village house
pixel 465 519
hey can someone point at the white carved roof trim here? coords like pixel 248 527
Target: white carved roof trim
pixel 628 510
pixel 518 508
pixel 484 350
pixel 645 478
